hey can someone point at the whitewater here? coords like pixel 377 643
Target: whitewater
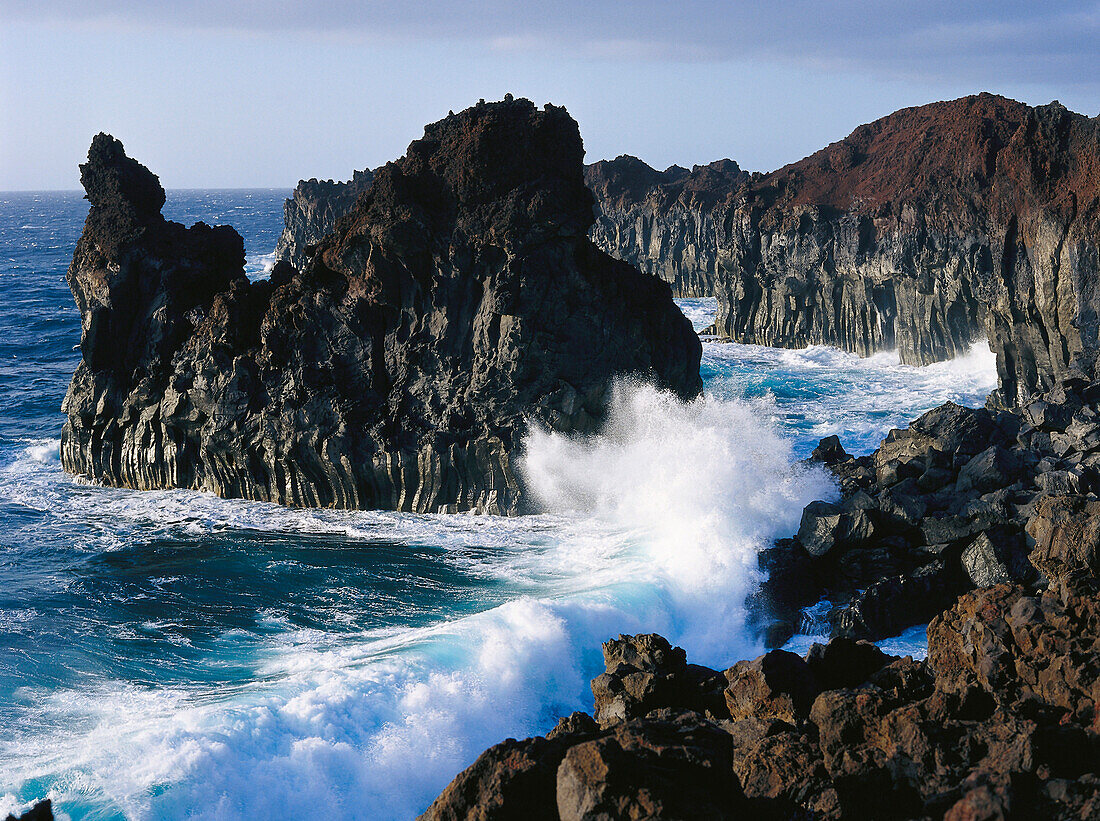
pixel 170 654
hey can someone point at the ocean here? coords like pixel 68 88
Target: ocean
pixel 173 655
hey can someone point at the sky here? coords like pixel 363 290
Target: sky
pixel 261 93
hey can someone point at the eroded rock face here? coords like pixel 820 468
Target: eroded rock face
pixel 670 223
pixel 458 303
pixel 923 231
pixel 311 213
pixel 660 222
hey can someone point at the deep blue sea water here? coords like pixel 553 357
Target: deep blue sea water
pixel 174 655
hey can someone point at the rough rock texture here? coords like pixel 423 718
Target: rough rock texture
pixel 459 302
pixel 923 231
pixel 667 223
pixel 660 222
pixel 311 214
pixel 1000 722
pixel 961 499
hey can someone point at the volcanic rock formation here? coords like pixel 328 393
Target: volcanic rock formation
pixel 458 302
pixel 664 222
pixel 923 231
pixel 985 523
pixel 999 722
pixel 312 212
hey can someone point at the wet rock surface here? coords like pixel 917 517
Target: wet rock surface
pixel 999 721
pixel 42 811
pixel 961 499
pixel 458 302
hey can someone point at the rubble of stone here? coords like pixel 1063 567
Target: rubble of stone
pixel 999 722
pixel 947 505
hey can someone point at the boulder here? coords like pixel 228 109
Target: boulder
pixel 829 451
pixel 1066 531
pixel 644 673
pixel 778 685
pixel 844 663
pixel 992 469
pixel 996 556
pixel 889 606
pixel 511 780
pixel 828 528
pixel 674 767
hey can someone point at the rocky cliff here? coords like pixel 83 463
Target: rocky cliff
pixel 670 223
pixel 660 222
pixel 923 231
pixel 312 211
pixel 458 302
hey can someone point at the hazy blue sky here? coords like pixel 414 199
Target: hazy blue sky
pixel 220 93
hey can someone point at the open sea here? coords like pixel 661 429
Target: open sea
pixel 174 655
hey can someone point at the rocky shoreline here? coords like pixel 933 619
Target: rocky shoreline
pixel 924 231
pixel 457 304
pixel 947 505
pixel 1001 719
pixel 459 299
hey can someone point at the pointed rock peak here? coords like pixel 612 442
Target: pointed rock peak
pixel 502 169
pixel 110 177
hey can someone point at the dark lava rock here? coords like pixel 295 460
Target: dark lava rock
pixel 889 606
pixel 991 469
pixel 829 451
pixel 1000 721
pixel 844 663
pixel 897 550
pixel 826 528
pixel 668 223
pixel 42 811
pixel 645 673
pixel 674 768
pixel 924 231
pixel 778 686
pixel 457 303
pixel 1066 530
pixel 996 556
pixel 311 214
pixel 512 781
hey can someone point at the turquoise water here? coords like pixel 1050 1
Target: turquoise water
pixel 170 654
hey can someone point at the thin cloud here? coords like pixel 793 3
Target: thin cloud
pixel 956 40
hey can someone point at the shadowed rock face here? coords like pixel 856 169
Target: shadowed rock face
pixel 312 211
pixel 665 222
pixel 659 222
pixel 922 231
pixel 458 302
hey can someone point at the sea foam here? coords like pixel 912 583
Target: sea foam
pixel 654 525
